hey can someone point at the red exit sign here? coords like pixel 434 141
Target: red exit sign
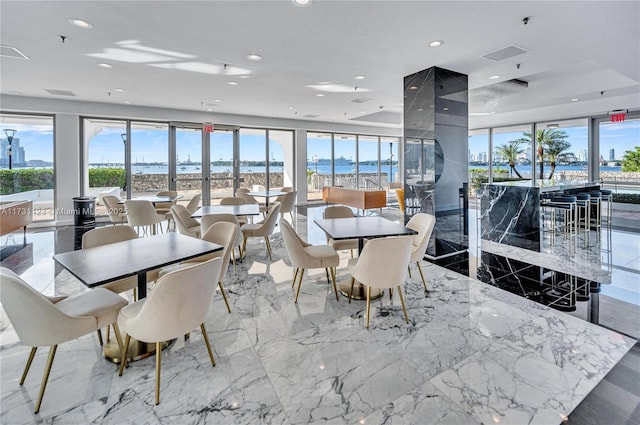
pixel 207 128
pixel 618 117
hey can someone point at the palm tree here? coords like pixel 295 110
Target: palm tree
pixel 510 152
pixel 551 143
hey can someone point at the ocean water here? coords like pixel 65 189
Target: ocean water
pixel 321 169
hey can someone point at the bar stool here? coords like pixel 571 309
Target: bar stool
pixel 607 196
pixel 583 219
pixel 596 202
pixel 566 206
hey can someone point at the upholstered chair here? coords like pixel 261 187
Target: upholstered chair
pixel 305 256
pixel 382 264
pixel 185 224
pixel 116 211
pixel 423 224
pixel 192 206
pixel 287 204
pixel 141 213
pixel 39 321
pixel 340 211
pixel 208 220
pixel 285 189
pixel 262 229
pixel 235 201
pixel 162 315
pixel 165 207
pixel 221 233
pixel 108 235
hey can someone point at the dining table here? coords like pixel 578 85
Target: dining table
pixel 237 210
pixel 107 263
pixel 361 228
pixel 266 194
pixel 154 199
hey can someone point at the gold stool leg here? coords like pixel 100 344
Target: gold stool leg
pixel 28 365
pixel 116 330
pixel 299 284
pixel 368 304
pixel 206 341
pixel 295 275
pixel 333 278
pixel 224 296
pixel 158 363
pixel 266 238
pixel 404 308
pixel 45 376
pixel 422 276
pixel 123 363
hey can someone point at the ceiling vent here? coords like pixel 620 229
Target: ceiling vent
pixel 361 100
pixel 11 52
pixel 505 53
pixel 483 95
pixel 59 92
pixel 311 116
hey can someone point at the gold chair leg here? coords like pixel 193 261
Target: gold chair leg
pixel 123 362
pixel 100 337
pixel 108 333
pixel 224 296
pixel 266 239
pixel 368 304
pixel 116 330
pixel 28 365
pixel 351 250
pixel 158 363
pixel 404 308
pixel 244 246
pixel 333 279
pixel 45 376
pixel 422 276
pixel 353 280
pixel 295 275
pixel 206 341
pixel 135 294
pixel 299 284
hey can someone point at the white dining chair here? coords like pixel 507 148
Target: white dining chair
pixel 262 229
pixel 340 211
pixel 39 321
pixel 185 224
pixel 142 214
pixel 115 210
pixel 178 304
pixel 210 219
pixel 382 264
pixel 192 207
pixel 423 224
pixel 287 204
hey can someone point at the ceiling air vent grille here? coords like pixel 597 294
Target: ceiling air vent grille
pixel 505 53
pixel 361 100
pixel 311 116
pixel 59 92
pixel 11 52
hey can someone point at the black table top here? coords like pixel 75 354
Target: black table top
pixel 247 209
pixel 155 199
pixel 362 227
pixel 267 193
pixel 104 264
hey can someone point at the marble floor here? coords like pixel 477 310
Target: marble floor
pixel 472 353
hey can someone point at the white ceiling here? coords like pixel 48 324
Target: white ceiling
pixel 575 50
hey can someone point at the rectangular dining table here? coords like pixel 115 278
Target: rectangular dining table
pixel 361 228
pixel 237 210
pixel 135 257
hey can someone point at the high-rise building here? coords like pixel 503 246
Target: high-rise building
pixel 612 154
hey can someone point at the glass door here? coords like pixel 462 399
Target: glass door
pixel 222 173
pixel 188 167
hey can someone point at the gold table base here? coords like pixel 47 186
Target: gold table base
pixel 137 350
pixel 359 291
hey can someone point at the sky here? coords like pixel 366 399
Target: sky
pixel 151 145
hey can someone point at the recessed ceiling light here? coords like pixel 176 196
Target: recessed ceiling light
pixel 209 109
pixel 218 100
pixel 413 88
pixel 105 65
pixel 301 3
pixel 436 43
pixel 233 83
pixel 575 99
pixel 360 77
pixel 80 23
pixel 127 102
pixel 494 77
pixel 420 109
pixel 290 107
pixel 320 95
pixel 445 109
pixel 363 112
pixel 254 57
pixel 120 90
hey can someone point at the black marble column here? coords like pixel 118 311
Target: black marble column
pixel 436 155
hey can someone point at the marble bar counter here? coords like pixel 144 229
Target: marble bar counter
pixel 510 211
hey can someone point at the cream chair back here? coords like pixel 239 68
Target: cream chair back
pixel 222 233
pixel 194 203
pixel 383 262
pixel 337 211
pixel 269 222
pixel 247 199
pixel 423 224
pixel 114 209
pixel 184 222
pixel 295 246
pixel 141 213
pixel 208 220
pixel 287 203
pixel 36 320
pixel 179 303
pixel 163 207
pixel 232 201
pixel 106 235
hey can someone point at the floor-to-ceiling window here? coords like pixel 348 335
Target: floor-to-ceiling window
pixel 281 159
pixel 27 162
pixel 565 149
pixel 345 160
pixel 369 163
pixel 253 164
pixel 478 161
pixel 619 161
pixel 390 176
pixel 149 158
pixel 319 164
pixel 512 152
